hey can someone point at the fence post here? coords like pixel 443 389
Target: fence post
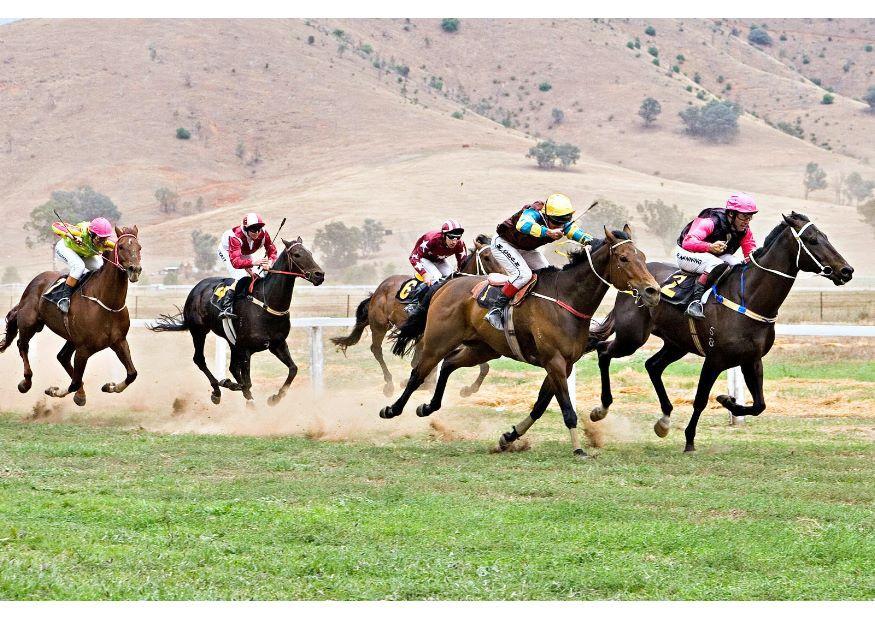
pixel 136 306
pixel 821 306
pixel 736 387
pixel 347 305
pixel 572 386
pixel 221 358
pixel 316 359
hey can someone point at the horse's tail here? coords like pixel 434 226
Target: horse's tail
pixel 599 332
pixel 361 321
pixel 11 329
pixel 169 323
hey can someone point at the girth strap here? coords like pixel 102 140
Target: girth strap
pixel 267 308
pixel 510 334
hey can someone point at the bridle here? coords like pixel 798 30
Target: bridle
pixel 115 260
pixel 306 274
pixel 825 271
pixel 639 302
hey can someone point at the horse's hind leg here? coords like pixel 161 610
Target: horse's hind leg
pixel 76 385
pixel 753 378
pixel 462 357
pixel 199 337
pixel 430 380
pixel 65 356
pixel 246 383
pixel 620 346
pixel 545 395
pixel 25 333
pixel 123 351
pixel 475 387
pixel 430 359
pixel 707 378
pixel 655 366
pixel 378 332
pixel 281 351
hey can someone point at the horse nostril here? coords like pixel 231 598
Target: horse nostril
pixel 651 290
pixel 847 272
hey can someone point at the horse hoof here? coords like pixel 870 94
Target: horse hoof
pixel 79 400
pixel 388 390
pixel 386 412
pixel 598 413
pixel 216 397
pixel 662 425
pixel 24 386
pixel 580 454
pixel 423 410
pixel 727 401
pixel 52 391
pixel 273 400
pixel 689 448
pixel 250 404
pixel 108 387
pixel 465 392
pixel 504 441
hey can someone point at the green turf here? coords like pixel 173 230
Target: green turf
pixel 778 509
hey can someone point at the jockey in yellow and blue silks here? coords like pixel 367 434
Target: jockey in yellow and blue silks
pixel 519 237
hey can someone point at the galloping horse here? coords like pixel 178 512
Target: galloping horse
pixel 381 311
pixel 729 336
pixel 551 326
pixel 98 318
pixel 262 319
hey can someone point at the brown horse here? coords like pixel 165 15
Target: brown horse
pixel 726 337
pixel 381 311
pixel 98 318
pixel 552 326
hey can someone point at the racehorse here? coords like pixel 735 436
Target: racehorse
pixel 261 321
pixel 98 318
pixel 551 326
pixel 381 310
pixel 734 335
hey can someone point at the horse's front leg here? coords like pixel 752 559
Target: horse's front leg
pixel 545 395
pixel 466 391
pixel 655 366
pixel 753 378
pixel 558 370
pixel 281 351
pixel 123 352
pixel 79 363
pixel 246 384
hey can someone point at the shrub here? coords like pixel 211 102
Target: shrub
pixel 204 245
pixel 680 58
pixel 869 98
pixel 366 49
pixel 783 37
pixel 606 214
pixel 168 200
pixel 183 134
pixel 655 61
pixel 868 48
pixel 630 45
pixel 450 24
pixel 650 31
pixel 815 178
pixel 337 32
pixel 171 278
pixel 867 212
pixel 637 43
pixel 311 40
pixel 653 51
pixel 759 36
pixel 436 83
pixel 716 121
pixel 697 78
pixel 663 221
pixel 568 154
pixel 457 114
pixel 805 59
pixel 649 110
pixel 544 86
pixel 79 205
pixel 558 116
pixel 675 68
pixel 828 98
pixel 10 275
pixel 794 130
pixel 402 70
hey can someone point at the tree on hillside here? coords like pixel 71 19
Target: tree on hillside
pixel 857 188
pixel 568 154
pixel 168 200
pixel 204 245
pixel 815 178
pixel 605 213
pixel 338 244
pixel 869 98
pixel 79 205
pixel 664 221
pixel 649 110
pixel 450 24
pixel 867 212
pixel 838 188
pixel 759 36
pixel 373 235
pixel 717 121
pixel 10 275
pixel 547 152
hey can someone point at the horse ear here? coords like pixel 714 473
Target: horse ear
pixel 118 232
pixel 136 230
pixel 299 240
pixel 787 219
pixel 285 243
pixel 609 236
pixel 628 230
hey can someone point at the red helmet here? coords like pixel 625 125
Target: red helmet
pixel 252 221
pixel 452 227
pixel 741 203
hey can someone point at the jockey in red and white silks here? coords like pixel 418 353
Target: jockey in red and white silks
pixel 708 244
pixel 431 251
pixel 237 249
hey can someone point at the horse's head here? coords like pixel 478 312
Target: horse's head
pixel 628 267
pixel 816 253
pixel 481 261
pixel 127 252
pixel 300 259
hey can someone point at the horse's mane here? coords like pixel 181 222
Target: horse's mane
pixel 579 256
pixel 776 232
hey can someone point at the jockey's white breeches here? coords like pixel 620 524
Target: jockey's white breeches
pixel 518 264
pixel 78 265
pixel 435 270
pixel 702 262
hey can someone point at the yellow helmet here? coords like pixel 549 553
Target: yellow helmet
pixel 559 205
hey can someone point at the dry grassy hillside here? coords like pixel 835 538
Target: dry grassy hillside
pixel 356 122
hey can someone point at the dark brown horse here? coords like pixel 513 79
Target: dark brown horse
pixel 262 319
pixel 453 328
pixel 381 311
pixel 726 337
pixel 98 318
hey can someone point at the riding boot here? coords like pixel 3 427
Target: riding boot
pixel 226 304
pixel 418 293
pixel 60 296
pixel 495 316
pixel 695 310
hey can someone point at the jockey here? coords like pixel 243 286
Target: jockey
pixel 707 244
pixel 236 249
pixel 81 247
pixel 430 254
pixel 519 237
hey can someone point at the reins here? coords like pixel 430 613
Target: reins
pixel 263 304
pixel 115 262
pixel 800 245
pixel 633 292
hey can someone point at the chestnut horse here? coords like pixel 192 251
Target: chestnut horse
pixel 381 311
pixel 262 319
pixel 726 337
pixel 98 318
pixel 551 325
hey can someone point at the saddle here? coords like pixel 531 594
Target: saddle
pixel 677 289
pixel 85 277
pixel 486 291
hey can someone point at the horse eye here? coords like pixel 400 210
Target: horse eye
pixel 297 255
pixel 624 259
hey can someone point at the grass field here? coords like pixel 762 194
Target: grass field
pixel 780 508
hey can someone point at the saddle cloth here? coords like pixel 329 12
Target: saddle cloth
pixel 221 289
pixel 79 284
pixel 486 291
pixel 404 294
pixel 677 289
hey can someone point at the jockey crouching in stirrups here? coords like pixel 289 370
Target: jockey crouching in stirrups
pixel 520 236
pixel 430 258
pixel 707 244
pixel 81 247
pixel 236 249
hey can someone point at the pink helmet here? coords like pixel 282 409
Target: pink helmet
pixel 252 220
pixel 101 227
pixel 452 226
pixel 741 203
